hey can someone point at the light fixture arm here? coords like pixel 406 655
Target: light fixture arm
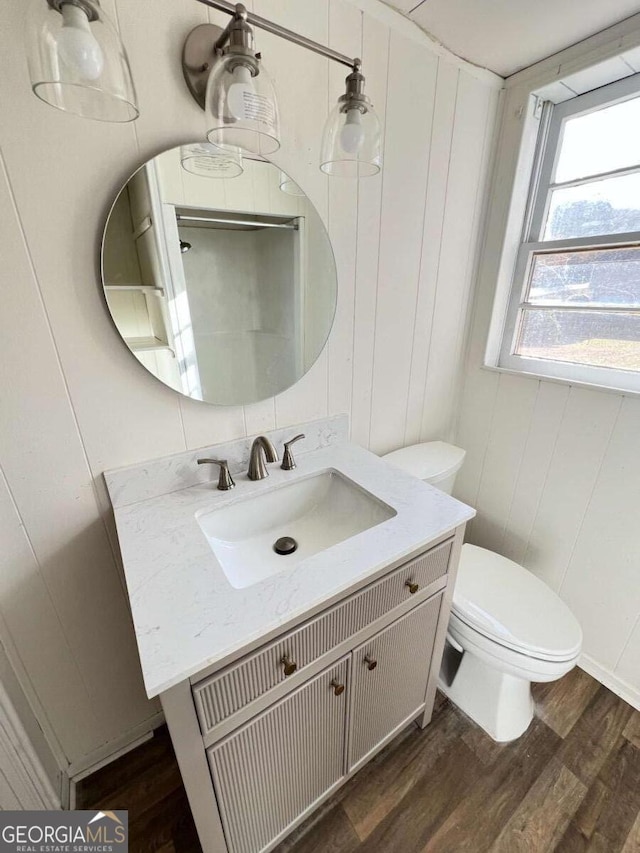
pixel 283 32
pixel 237 30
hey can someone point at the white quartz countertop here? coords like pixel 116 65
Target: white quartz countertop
pixel 187 616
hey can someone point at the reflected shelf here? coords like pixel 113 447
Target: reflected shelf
pixel 149 344
pixel 141 288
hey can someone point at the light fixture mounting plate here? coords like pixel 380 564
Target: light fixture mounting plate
pixel 198 58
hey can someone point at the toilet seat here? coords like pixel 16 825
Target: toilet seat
pixel 510 607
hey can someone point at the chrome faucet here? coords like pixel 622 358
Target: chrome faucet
pixel 262 451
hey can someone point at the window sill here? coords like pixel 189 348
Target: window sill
pixel 559 380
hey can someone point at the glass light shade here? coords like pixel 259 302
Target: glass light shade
pixel 211 161
pixel 288 186
pixel 77 64
pixel 352 143
pixel 242 110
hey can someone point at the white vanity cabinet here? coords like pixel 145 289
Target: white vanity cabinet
pixel 264 740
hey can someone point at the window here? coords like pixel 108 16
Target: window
pixel 574 311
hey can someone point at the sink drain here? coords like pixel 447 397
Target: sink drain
pixel 285 545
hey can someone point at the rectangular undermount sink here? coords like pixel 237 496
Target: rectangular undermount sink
pixel 317 512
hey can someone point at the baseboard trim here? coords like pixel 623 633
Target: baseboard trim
pixel 610 680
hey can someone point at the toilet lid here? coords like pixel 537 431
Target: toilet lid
pixel 508 604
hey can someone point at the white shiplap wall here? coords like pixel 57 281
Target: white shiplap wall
pixel 554 469
pixel 74 401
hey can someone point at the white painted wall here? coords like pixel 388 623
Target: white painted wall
pixel 553 469
pixel 75 402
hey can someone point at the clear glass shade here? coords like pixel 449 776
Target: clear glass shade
pixel 77 62
pixel 211 161
pixel 289 186
pixel 352 142
pixel 241 109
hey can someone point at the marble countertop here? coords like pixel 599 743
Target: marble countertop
pixel 186 614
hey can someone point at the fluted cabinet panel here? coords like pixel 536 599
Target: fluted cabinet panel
pixel 220 696
pixel 273 769
pixel 388 693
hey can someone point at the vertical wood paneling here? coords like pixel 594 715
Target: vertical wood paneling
pixel 47 472
pixel 474 431
pixel 472 136
pixel 584 435
pixel 46 655
pixel 345 35
pixel 406 166
pixel 444 111
pixel 513 410
pixel 542 434
pixel 77 403
pixel 603 546
pixel 375 56
pixel 628 665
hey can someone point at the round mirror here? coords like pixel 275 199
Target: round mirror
pixel 219 274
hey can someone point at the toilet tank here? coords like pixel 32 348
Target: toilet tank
pixel 436 462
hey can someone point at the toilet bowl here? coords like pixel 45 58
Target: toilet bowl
pixel 507 628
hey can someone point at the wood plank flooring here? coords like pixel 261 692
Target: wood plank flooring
pixel 571 784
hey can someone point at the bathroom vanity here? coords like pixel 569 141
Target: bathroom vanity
pixel 280 677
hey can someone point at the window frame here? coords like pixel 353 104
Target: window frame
pixel 540 191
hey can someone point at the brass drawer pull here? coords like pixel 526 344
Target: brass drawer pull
pixel 370 663
pixel 338 688
pixel 413 586
pixel 289 666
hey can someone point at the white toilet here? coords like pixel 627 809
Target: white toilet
pixel 507 628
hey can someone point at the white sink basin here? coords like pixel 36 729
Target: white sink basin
pixel 317 512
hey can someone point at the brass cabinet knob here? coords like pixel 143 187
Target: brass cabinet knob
pixel 413 586
pixel 338 688
pixel 289 666
pixel 370 663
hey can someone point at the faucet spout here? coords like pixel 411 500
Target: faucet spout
pixel 262 451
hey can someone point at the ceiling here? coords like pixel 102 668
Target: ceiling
pixel 507 35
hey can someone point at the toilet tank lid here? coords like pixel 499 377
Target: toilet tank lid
pixel 428 461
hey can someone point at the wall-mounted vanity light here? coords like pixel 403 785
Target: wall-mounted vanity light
pixel 77 61
pixel 227 78
pixel 351 146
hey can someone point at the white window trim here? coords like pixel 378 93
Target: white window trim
pixel 605 58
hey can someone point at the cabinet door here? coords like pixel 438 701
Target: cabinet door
pixel 273 769
pixel 389 679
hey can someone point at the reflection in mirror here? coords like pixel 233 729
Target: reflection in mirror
pixel 224 288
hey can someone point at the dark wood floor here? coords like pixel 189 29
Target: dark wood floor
pixel 570 784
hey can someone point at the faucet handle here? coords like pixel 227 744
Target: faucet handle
pixel 288 462
pixel 225 480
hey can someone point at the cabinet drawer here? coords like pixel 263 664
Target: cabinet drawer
pixel 223 694
pixel 273 769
